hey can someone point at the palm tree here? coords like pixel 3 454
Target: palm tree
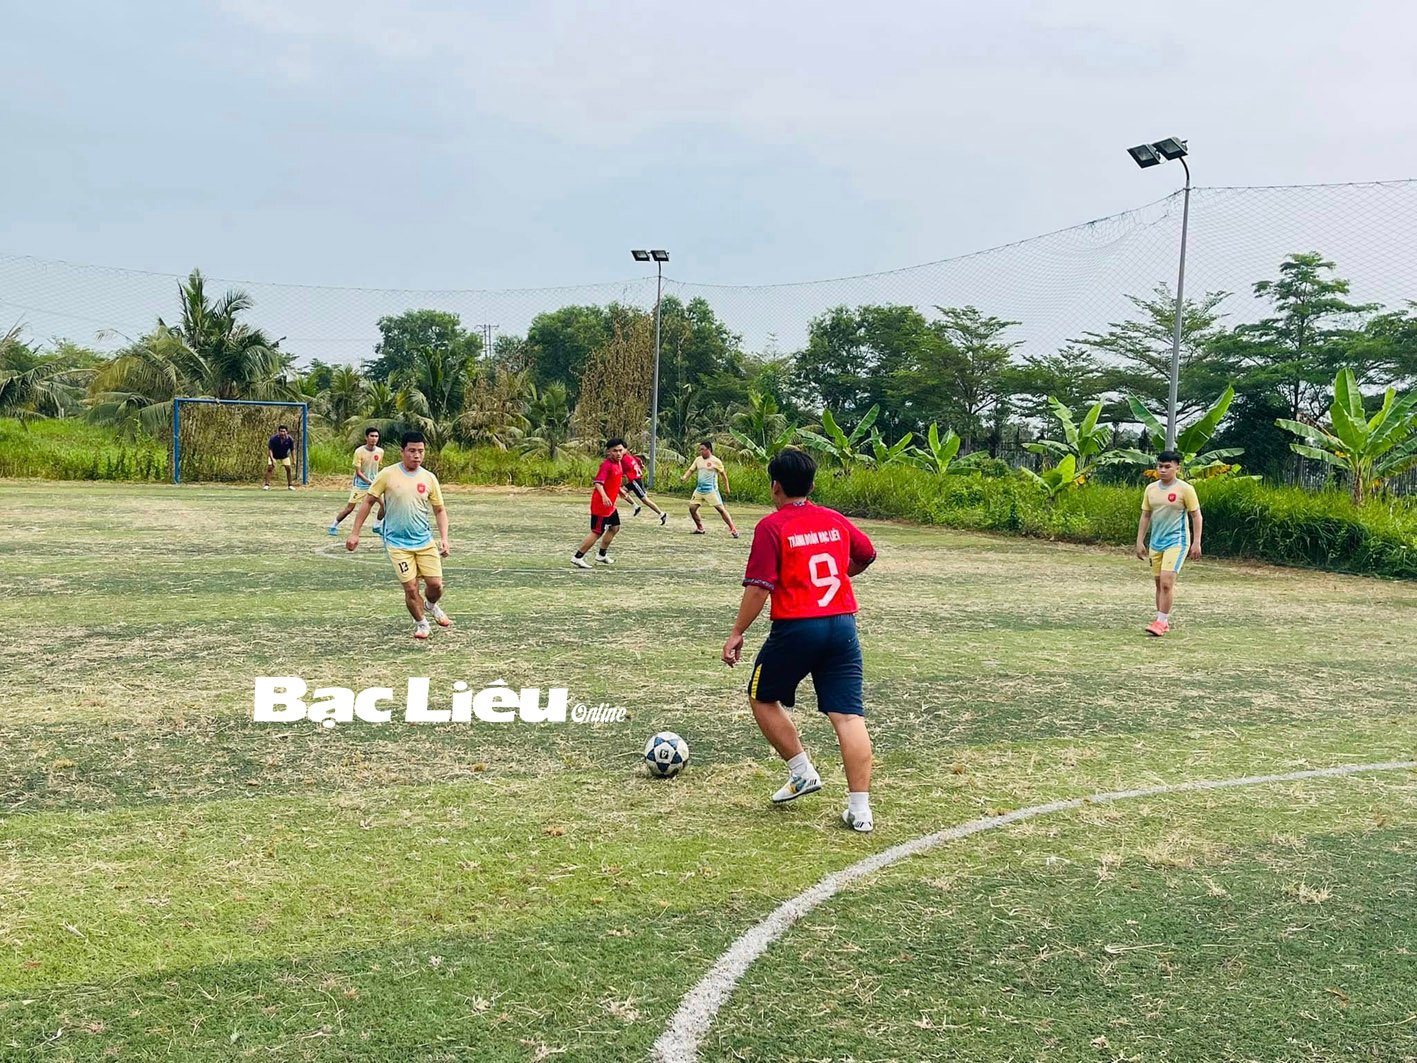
pixel 495 407
pixel 343 400
pixel 548 414
pixel 34 386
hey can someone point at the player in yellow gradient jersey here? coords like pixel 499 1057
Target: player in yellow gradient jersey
pixel 413 502
pixel 1168 533
pixel 367 460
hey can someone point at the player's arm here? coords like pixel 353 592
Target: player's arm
pixel 723 471
pixel 441 516
pixel 600 490
pixel 692 466
pixel 1197 526
pixel 759 580
pixel 1142 526
pixel 360 516
pixel 754 598
pixel 861 552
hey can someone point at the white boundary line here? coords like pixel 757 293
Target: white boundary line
pixel 680 1041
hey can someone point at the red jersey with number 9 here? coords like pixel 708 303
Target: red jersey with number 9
pixel 801 553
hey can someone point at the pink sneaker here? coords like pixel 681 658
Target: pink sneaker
pixel 1157 628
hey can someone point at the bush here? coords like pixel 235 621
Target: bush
pixel 76 450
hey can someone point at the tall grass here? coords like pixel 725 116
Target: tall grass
pixel 76 450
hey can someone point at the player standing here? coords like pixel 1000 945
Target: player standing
pixel 367 460
pixel 708 469
pixel 1172 512
pixel 804 556
pixel 634 475
pixel 604 518
pixel 410 493
pixel 278 450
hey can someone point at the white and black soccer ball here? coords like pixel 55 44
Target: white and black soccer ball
pixel 666 754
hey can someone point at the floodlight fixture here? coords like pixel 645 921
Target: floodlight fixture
pixel 640 256
pixel 659 256
pixel 1170 148
pixel 1144 155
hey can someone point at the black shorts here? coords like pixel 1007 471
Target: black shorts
pixel 824 647
pixel 599 524
pixel 636 489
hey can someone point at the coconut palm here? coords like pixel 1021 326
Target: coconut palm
pixel 35 386
pixel 548 415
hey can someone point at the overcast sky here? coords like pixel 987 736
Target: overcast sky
pixel 424 144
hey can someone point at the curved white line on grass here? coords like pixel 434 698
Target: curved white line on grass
pixel 339 553
pixel 680 1041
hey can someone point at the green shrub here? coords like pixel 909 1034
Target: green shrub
pixel 76 450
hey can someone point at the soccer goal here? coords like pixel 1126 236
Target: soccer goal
pixel 225 440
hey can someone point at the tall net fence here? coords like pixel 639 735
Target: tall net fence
pixel 1056 286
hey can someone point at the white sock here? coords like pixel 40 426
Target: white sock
pixel 858 803
pixel 1165 618
pixel 801 765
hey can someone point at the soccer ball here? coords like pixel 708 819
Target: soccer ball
pixel 666 754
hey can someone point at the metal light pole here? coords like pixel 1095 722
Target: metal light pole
pixel 660 258
pixel 1150 155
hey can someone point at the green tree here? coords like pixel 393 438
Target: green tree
pixel 961 378
pixel 1072 376
pixel 403 336
pixel 1192 438
pixel 495 409
pixel 35 386
pixel 548 417
pixel 852 356
pixel 695 347
pixel 1085 443
pixel 342 398
pixel 560 342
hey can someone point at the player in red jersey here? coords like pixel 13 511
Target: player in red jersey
pixel 634 477
pixel 604 519
pixel 804 556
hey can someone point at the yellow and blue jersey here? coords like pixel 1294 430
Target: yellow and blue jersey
pixel 1169 505
pixel 366 466
pixel 706 470
pixel 409 500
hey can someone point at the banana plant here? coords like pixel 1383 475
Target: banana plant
pixel 1085 442
pixel 1059 478
pixel 937 453
pixel 1191 439
pixel 840 446
pixel 1370 449
pixel 751 448
pixel 890 453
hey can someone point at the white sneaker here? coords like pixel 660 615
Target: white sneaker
pixel 421 630
pixel 290 487
pixel 860 824
pixel 436 612
pixel 265 487
pixel 579 562
pixel 797 786
pixel 605 559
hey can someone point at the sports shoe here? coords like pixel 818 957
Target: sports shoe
pixel 378 529
pixel 605 559
pixel 636 513
pixel 422 630
pixel 436 612
pixel 265 487
pixel 1157 628
pixel 797 786
pixel 860 824
pixel 734 533
pixel 579 562
pixel 334 529
pixel 290 487
pixel 663 519
pixel 698 531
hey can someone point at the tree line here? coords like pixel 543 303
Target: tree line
pixel 582 372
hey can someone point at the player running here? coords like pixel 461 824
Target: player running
pixel 278 450
pixel 804 556
pixel 604 518
pixel 634 475
pixel 1172 512
pixel 409 492
pixel 708 469
pixel 367 460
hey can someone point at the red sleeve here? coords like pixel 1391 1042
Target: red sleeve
pixel 603 471
pixel 862 552
pixel 764 559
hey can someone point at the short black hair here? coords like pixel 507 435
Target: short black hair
pixel 614 441
pixel 279 427
pixel 411 437
pixel 795 470
pixel 706 443
pixel 371 428
pixel 1169 455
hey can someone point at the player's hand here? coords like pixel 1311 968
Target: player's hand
pixel 733 650
pixel 1141 553
pixel 352 543
pixel 443 547
pixel 1194 552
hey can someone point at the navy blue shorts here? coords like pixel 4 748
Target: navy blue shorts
pixel 824 647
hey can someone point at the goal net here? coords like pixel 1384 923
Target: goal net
pixel 226 441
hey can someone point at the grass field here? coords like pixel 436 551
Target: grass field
pixel 177 882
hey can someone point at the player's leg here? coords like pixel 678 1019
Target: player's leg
pixel 597 526
pixel 339 517
pixel 694 515
pixel 838 678
pixel 723 512
pixel 432 592
pixel 270 468
pixel 612 529
pixel 1165 566
pixel 772 689
pixel 379 520
pixel 1166 595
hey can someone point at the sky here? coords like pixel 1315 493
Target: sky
pixel 509 145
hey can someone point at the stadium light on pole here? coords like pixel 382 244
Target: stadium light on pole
pixel 659 258
pixel 1145 155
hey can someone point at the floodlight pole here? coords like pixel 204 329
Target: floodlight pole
pixel 654 388
pixel 1180 306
